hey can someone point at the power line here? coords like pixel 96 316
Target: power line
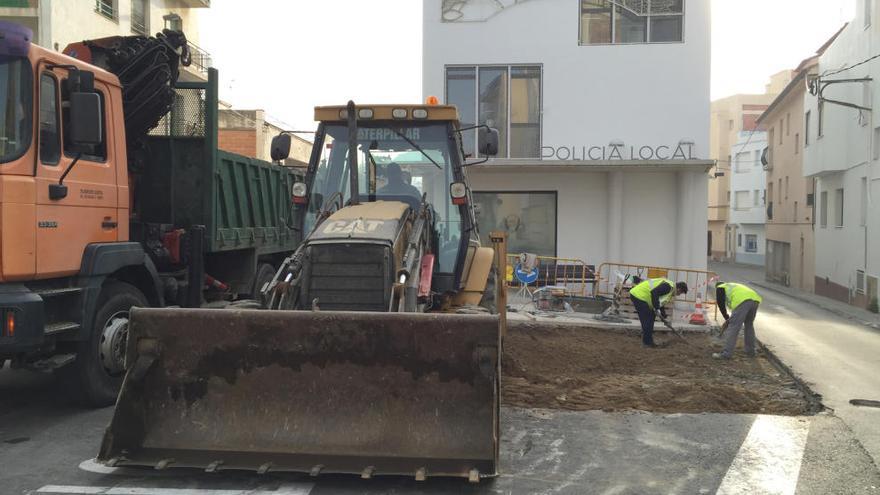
pixel 863 62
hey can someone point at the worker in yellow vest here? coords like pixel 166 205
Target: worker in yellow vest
pixel 743 302
pixel 649 298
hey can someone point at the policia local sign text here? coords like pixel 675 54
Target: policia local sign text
pixel 681 151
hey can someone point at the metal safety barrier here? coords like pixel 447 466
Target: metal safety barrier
pixel 609 275
pixel 572 273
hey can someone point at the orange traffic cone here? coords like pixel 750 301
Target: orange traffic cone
pixel 698 317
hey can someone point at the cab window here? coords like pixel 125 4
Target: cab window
pixel 95 153
pixel 50 137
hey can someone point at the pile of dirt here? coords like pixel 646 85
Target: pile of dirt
pixel 576 368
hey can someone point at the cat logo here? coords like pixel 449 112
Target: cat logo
pixel 358 226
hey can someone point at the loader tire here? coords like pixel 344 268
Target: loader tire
pixel 265 273
pixel 96 375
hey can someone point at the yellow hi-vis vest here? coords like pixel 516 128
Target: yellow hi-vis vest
pixel 736 294
pixel 642 292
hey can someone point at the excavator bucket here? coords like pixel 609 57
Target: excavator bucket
pixel 316 392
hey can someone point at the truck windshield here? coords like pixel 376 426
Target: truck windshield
pixel 391 168
pixel 15 108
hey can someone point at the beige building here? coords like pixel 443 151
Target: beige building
pixel 57 23
pixel 790 258
pixel 731 116
pixel 248 133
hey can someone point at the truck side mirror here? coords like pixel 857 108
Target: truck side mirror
pixel 280 147
pixel 85 119
pixel 488 141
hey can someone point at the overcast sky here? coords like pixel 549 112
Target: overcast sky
pixel 314 52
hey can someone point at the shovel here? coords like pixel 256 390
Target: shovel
pixel 670 327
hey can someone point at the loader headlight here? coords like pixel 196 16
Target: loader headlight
pixel 365 113
pixel 299 191
pixel 458 193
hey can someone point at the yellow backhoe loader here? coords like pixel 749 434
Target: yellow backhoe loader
pixel 377 348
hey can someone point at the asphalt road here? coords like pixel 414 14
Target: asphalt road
pixel 839 358
pixel 46 446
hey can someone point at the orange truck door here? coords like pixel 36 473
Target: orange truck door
pixel 88 214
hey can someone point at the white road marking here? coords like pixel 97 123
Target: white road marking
pixel 769 460
pixel 289 489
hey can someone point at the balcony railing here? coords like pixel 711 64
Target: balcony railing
pixel 106 9
pixel 201 60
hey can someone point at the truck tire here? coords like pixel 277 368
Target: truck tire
pixel 265 273
pixel 99 367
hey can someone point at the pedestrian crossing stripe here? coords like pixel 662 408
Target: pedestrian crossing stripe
pixel 287 489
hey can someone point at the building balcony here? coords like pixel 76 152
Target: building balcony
pixel 718 213
pixel 192 4
pixel 201 62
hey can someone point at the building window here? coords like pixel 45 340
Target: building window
pixel 823 206
pixel 742 161
pixel 781 126
pixel 797 143
pixel 741 200
pixel 807 123
pixel 626 21
pixel 751 243
pixel 173 22
pixel 728 198
pixel 107 8
pixel 786 187
pixel 140 10
pixel 770 136
pixel 739 240
pixel 529 218
pixel 864 201
pixel 877 143
pixel 795 212
pixel 507 98
pixel 860 281
pixel 869 12
pixel 821 118
pixel 730 125
pixel 788 124
pixel 756 198
pixel 838 208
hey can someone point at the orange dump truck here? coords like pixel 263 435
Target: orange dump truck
pixel 113 194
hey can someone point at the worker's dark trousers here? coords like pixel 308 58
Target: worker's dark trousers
pixel 646 317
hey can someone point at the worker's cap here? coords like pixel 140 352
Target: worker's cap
pixel 682 287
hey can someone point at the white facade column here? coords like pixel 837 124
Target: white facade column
pixel 614 239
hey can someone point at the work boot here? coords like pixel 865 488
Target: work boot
pixel 719 355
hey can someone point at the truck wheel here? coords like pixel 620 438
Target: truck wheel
pixel 99 367
pixel 265 273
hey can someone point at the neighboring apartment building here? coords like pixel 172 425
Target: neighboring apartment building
pixel 592 165
pixel 747 214
pixel 57 23
pixel 841 154
pixel 791 258
pixel 730 117
pixel 248 133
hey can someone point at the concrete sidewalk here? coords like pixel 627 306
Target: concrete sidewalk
pixel 755 276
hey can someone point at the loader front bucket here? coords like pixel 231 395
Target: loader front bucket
pixel 316 392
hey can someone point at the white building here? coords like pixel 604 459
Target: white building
pixel 841 151
pixel 604 119
pixel 746 231
pixel 57 23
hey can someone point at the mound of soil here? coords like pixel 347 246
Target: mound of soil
pixel 576 368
